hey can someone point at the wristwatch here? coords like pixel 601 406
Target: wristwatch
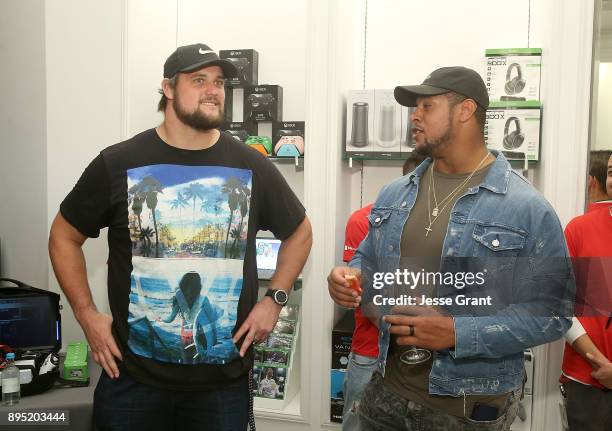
pixel 278 295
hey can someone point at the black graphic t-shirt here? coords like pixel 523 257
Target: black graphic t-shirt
pixel 182 273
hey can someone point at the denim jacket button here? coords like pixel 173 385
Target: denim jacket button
pixel 495 243
pixel 404 204
pixel 390 248
pixel 377 219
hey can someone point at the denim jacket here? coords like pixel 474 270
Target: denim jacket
pixel 504 216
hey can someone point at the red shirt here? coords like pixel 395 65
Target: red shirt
pixel 588 236
pixel 365 336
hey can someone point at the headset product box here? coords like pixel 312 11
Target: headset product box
pixel 407 140
pixel 513 74
pixel 514 128
pixel 359 123
pixel 239 130
pixel 342 337
pixel 263 103
pixel 246 61
pixel 288 138
pixel 387 124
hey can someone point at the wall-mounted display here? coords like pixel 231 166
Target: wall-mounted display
pixel 513 74
pixel 514 129
pixel 274 358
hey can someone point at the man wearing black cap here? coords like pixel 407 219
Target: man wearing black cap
pixel 461 366
pixel 183 203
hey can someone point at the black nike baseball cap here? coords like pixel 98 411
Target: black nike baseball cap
pixel 462 80
pixel 190 58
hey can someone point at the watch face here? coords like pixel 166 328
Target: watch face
pixel 281 297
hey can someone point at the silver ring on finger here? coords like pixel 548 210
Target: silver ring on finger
pixel 410 330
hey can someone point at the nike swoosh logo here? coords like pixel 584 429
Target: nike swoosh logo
pixel 203 51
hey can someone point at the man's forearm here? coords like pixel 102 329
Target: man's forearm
pixel 292 256
pixel 70 269
pixel 584 345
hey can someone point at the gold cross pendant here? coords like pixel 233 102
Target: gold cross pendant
pixel 428 229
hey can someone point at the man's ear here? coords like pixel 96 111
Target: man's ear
pixel 167 88
pixel 467 109
pixel 591 183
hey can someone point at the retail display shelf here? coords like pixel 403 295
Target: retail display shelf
pixel 295 160
pixel 290 412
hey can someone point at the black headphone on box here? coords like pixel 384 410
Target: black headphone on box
pixel 514 139
pixel 517 84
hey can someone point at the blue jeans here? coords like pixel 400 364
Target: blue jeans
pixel 125 404
pixel 358 374
pixel 383 410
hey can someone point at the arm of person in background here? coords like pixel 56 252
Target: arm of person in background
pixel 343 292
pixel 66 253
pixel 580 341
pixel 292 256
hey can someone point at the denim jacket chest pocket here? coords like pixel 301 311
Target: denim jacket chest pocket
pixel 380 219
pixel 497 241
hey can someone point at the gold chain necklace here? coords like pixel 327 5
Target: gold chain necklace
pixel 448 199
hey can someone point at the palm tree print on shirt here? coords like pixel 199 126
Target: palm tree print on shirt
pixel 216 225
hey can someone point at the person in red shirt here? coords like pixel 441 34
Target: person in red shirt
pixel 364 346
pixel 587 368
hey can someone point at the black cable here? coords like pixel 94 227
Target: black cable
pixel 365 43
pixel 529 24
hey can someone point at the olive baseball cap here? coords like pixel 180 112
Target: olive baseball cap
pixel 462 80
pixel 190 58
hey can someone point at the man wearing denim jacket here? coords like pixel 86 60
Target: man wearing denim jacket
pixel 462 211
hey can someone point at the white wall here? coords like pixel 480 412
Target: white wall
pixel 23 194
pixel 603 135
pixel 403 45
pixel 84 114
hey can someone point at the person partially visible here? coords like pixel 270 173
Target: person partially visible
pixel 364 345
pixel 586 378
pixel 596 183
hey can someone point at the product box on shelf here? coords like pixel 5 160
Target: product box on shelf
pixel 342 336
pixel 228 110
pixel 407 140
pixel 263 144
pixel 246 61
pixel 359 123
pixel 514 128
pixel 263 103
pixel 273 382
pixel 288 138
pixel 513 74
pixel 387 125
pixel 239 130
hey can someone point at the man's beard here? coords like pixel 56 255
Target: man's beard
pixel 432 146
pixel 196 119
